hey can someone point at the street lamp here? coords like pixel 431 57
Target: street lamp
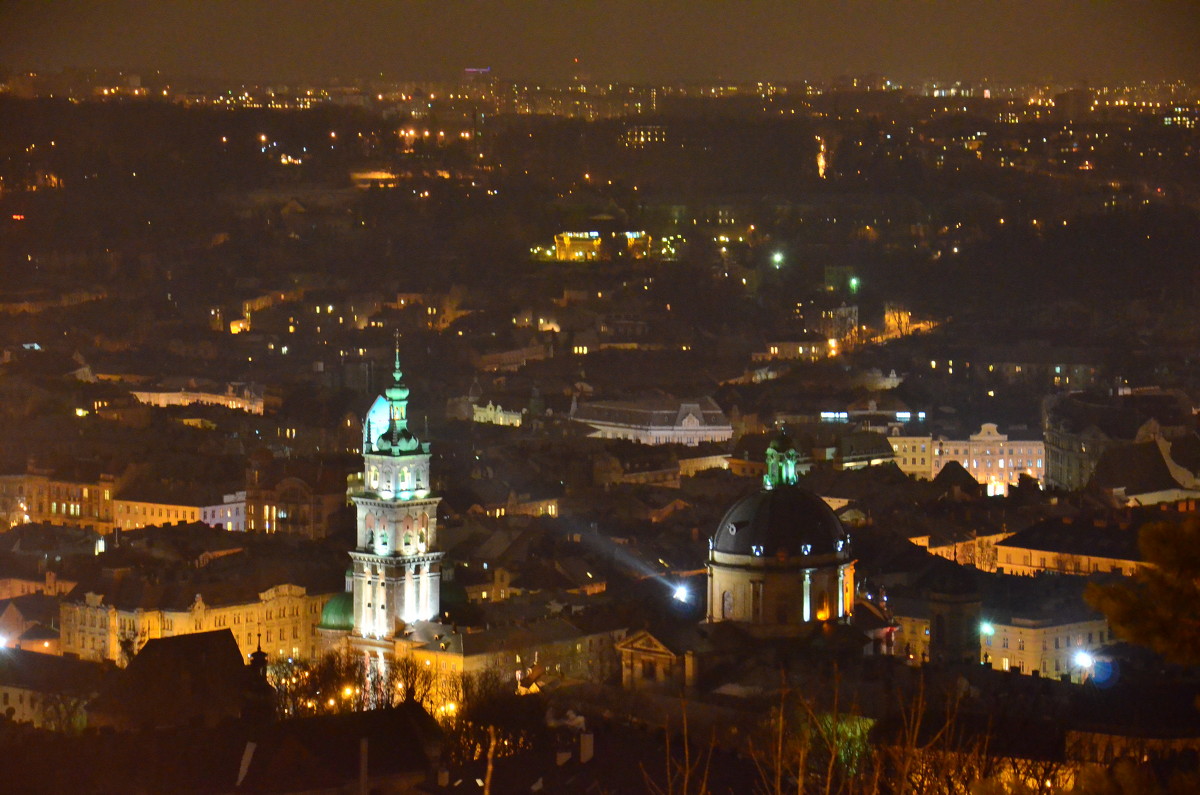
pixel 1084 661
pixel 777 259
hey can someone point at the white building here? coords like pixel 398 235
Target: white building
pixel 234 399
pixel 992 458
pixel 664 420
pixel 230 514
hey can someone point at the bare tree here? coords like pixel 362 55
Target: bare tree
pixel 686 772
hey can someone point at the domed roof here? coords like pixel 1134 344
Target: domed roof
pixel 397 440
pixel 786 519
pixel 781 442
pixel 338 613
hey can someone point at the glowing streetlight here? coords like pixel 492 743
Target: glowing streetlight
pixel 777 259
pixel 986 629
pixel 681 593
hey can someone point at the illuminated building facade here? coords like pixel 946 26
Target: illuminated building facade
pixel 994 460
pixel 295 497
pixel 641 136
pixel 131 513
pixel 810 347
pixel 70 499
pixel 1065 546
pixel 914 455
pixel 637 244
pixel 1046 637
pixel 663 420
pixel 577 246
pixel 95 625
pixel 396 565
pixel 233 399
pixel 590 246
pixel 780 557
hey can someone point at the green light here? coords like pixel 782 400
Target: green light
pixel 854 284
pixel 777 258
pixel 987 629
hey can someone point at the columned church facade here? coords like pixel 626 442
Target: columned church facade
pixel 780 558
pixel 779 567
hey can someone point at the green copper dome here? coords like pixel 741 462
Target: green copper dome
pixel 338 613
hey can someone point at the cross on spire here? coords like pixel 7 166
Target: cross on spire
pixel 396 373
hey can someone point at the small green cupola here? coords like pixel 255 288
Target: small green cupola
pixel 782 459
pixel 397 439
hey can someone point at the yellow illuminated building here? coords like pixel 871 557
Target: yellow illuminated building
pixel 285 616
pixel 577 246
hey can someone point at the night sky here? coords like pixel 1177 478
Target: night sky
pixel 635 40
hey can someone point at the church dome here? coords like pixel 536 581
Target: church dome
pixel 338 613
pixel 782 443
pixel 784 520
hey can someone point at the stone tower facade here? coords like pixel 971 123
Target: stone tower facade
pixel 396 562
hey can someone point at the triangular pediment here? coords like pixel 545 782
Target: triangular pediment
pixel 644 643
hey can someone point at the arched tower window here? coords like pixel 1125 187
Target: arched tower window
pixel 727 605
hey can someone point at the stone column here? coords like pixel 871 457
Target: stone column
pixel 841 591
pixel 423 590
pixel 409 607
pixel 808 594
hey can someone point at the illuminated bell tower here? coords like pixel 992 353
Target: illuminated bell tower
pixel 397 568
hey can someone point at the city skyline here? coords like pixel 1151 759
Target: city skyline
pixel 1023 41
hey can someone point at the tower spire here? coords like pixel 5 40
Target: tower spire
pixel 396 372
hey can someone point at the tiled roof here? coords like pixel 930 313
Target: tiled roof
pixel 656 411
pixel 1077 538
pixel 1137 468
